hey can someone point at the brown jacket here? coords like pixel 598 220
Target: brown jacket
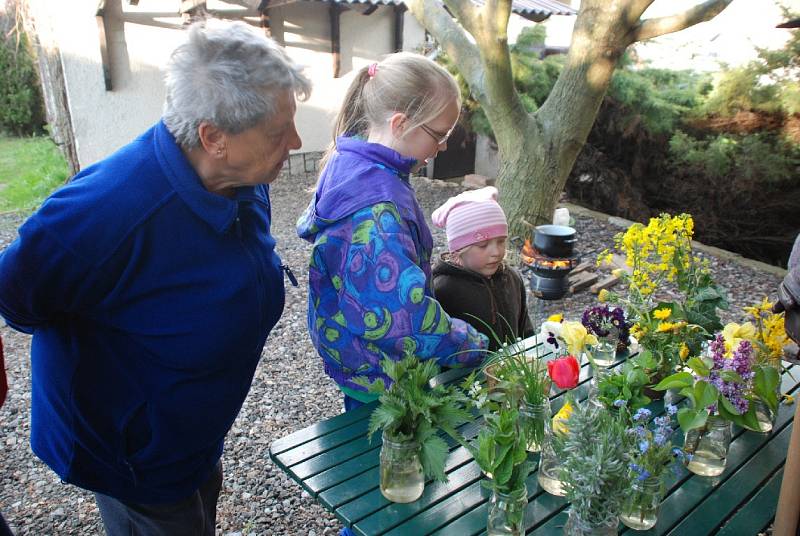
pixel 499 302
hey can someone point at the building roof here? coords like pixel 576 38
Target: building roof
pixel 533 9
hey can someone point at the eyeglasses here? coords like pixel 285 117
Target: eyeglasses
pixel 437 136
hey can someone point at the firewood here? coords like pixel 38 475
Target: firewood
pixel 582 267
pixel 606 282
pixel 582 281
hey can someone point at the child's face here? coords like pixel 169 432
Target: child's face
pixel 425 141
pixel 485 257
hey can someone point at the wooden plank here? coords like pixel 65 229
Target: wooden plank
pixel 321 428
pixel 359 446
pixel 708 515
pixel 325 443
pixel 582 281
pixel 582 267
pixel 371 500
pixel 334 12
pixel 759 511
pixel 100 18
pixel 341 472
pixel 399 19
pixel 389 518
pixel 606 282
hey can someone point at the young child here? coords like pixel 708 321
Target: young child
pixel 471 281
pixel 370 293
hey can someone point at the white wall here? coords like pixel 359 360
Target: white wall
pixel 142 37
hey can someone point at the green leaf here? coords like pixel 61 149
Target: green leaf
pixel 698 366
pixel 727 406
pixel 731 376
pixel 675 381
pixel 690 418
pixel 705 394
pixel 433 454
pixel 765 385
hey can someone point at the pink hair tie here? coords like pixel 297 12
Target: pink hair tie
pixel 372 69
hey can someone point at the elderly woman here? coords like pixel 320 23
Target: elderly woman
pixel 150 284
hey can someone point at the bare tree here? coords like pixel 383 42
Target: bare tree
pixel 538 150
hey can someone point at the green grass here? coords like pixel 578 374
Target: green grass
pixel 30 169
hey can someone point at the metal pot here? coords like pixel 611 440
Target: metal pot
pixel 555 240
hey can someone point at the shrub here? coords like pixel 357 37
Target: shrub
pixel 21 108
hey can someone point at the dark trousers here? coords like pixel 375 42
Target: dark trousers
pixel 194 516
pixel 4 530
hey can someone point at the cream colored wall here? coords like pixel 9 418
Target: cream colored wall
pixel 142 37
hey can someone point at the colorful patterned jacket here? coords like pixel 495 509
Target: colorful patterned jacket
pixel 369 293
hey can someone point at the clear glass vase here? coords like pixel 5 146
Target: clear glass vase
pixel 401 471
pixel 576 526
pixel 765 416
pixel 604 352
pixel 507 513
pixel 640 511
pixel 535 421
pixel 708 446
pixel 550 468
pixel 598 373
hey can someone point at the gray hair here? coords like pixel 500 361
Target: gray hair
pixel 227 74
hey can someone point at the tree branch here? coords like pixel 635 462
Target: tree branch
pixel 649 28
pixel 454 40
pixel 465 12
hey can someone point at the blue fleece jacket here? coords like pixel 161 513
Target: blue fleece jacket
pixel 370 293
pixel 149 300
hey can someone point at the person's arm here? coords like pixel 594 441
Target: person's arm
pixel 384 302
pixel 41 277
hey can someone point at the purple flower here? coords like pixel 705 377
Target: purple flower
pixel 659 439
pixel 642 414
pixel 671 409
pixel 603 321
pixel 620 403
pixel 644 446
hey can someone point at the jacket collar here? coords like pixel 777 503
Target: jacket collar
pixel 216 210
pixel 379 154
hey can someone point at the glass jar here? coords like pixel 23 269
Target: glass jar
pixel 640 511
pixel 598 373
pixel 550 468
pixel 575 526
pixel 708 446
pixel 604 352
pixel 535 421
pixel 401 471
pixel 507 513
pixel 765 416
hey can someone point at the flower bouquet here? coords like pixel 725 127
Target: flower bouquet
pixel 718 388
pixel 647 462
pixel 660 257
pixel 610 328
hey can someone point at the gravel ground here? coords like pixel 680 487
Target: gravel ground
pixel 290 391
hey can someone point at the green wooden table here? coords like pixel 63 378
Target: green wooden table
pixel 335 463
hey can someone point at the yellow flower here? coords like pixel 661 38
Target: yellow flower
pixel 555 318
pixel 663 327
pixel 788 400
pixel 662 314
pixel 734 333
pixel 684 351
pixel 576 337
pixel 602 296
pixel 559 419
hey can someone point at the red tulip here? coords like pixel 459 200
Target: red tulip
pixel 564 372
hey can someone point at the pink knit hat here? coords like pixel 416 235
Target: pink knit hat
pixel 470 217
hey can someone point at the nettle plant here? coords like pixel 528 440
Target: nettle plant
pixel 410 410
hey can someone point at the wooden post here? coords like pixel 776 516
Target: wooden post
pixel 263 9
pixel 786 517
pixel 399 17
pixel 101 29
pixel 335 14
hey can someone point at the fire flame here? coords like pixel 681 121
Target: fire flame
pixel 530 255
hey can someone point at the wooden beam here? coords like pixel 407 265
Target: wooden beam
pixel 399 17
pixel 188 6
pixel 335 15
pixel 370 10
pixel 263 9
pixel 101 30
